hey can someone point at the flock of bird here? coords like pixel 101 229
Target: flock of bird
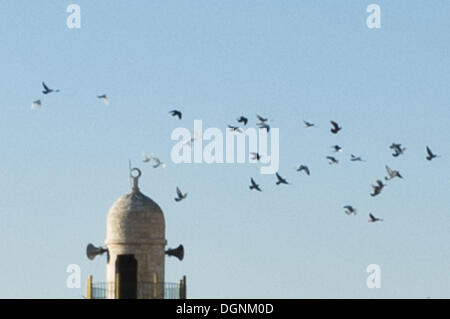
pixel 263 123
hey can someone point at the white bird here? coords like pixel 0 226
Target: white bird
pixel 104 98
pixel 36 104
pixel 146 158
pixel 392 174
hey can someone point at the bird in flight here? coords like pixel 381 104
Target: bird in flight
pixel 349 210
pixel 336 128
pixel 377 188
pixel 235 128
pixel 303 168
pixel 47 90
pixel 262 119
pixel 104 98
pixel 243 120
pixel 180 195
pixel 36 104
pixel 158 163
pixel 354 158
pixel 254 185
pixel 255 156
pixel 146 158
pixel 332 160
pixel 281 180
pixel 430 154
pixel 374 219
pixel 308 124
pixel 336 148
pixel 264 125
pixel 176 113
pixel 192 140
pixel 392 174
pixel 398 149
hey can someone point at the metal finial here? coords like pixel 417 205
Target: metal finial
pixel 135 179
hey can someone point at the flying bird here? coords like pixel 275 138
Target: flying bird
pixel 192 140
pixel 243 120
pixel 176 113
pixel 308 124
pixel 158 163
pixel 336 148
pixel 349 210
pixel 255 156
pixel 377 188
pixel 264 126
pixel 374 219
pixel 281 180
pixel 303 168
pixel 235 128
pixel 430 155
pixel 332 160
pixel 398 149
pixel 336 128
pixel 180 195
pixel 47 90
pixel 392 174
pixel 254 185
pixel 354 158
pixel 146 158
pixel 104 98
pixel 262 119
pixel 36 104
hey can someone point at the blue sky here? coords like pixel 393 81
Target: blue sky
pixel 63 166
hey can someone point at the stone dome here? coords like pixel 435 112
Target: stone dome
pixel 135 219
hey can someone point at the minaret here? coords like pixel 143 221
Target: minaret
pixel 135 239
pixel 135 246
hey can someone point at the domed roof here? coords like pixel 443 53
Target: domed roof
pixel 135 219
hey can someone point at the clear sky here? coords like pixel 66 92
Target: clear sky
pixel 64 165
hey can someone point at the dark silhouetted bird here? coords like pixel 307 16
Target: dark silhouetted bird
pixel 336 128
pixel 264 126
pixel 332 160
pixel 392 174
pixel 354 158
pixel 255 156
pixel 281 180
pixel 430 155
pixel 349 210
pixel 377 188
pixel 308 124
pixel 104 98
pixel 243 120
pixel 47 90
pixel 261 119
pixel 336 148
pixel 180 195
pixel 254 185
pixel 176 113
pixel 374 219
pixel 235 129
pixel 303 168
pixel 398 149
